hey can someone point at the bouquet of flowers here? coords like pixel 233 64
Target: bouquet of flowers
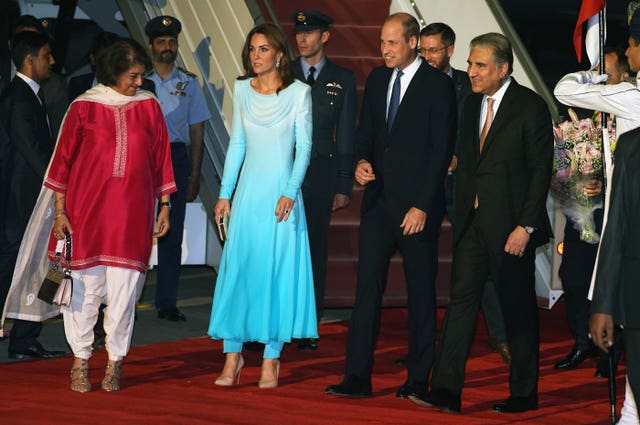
pixel 578 161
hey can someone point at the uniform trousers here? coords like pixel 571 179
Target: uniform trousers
pixel 116 287
pixel 170 245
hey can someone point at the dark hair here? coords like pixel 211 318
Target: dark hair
pixel 446 33
pixel 278 41
pixel 409 24
pixel 26 43
pixel 29 21
pixel 499 45
pixel 118 58
pixel 622 65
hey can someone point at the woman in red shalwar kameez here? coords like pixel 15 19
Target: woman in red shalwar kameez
pixel 111 161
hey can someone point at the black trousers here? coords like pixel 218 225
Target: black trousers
pixel 575 272
pixel 318 191
pixel 378 239
pixel 473 264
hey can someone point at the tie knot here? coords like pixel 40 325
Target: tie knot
pixel 312 69
pixel 400 74
pixel 490 102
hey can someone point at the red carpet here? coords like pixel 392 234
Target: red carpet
pixel 172 383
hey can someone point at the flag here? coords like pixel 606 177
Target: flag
pixel 588 13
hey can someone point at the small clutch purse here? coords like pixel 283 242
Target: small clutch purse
pixel 57 285
pixel 223 227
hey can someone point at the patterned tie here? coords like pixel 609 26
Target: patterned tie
pixel 311 79
pixel 394 103
pixel 487 122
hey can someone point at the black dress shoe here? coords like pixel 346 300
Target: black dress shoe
pixel 417 390
pixel 574 359
pixel 402 361
pixel 445 400
pixel 350 387
pixel 517 404
pixel 308 344
pixel 172 315
pixel 35 352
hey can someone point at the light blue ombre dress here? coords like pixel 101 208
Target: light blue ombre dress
pixel 264 291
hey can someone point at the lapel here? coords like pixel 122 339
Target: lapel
pixel 405 102
pixel 503 116
pixel 323 77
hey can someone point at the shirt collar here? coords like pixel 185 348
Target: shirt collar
pixel 498 95
pixel 318 66
pixel 34 86
pixel 409 71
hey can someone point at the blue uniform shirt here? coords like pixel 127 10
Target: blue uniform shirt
pixel 182 102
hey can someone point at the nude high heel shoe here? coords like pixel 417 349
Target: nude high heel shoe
pixel 224 381
pixel 271 383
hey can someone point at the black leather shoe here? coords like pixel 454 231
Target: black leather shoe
pixel 446 401
pixel 574 359
pixel 412 389
pixel 172 315
pixel 517 404
pixel 501 348
pixel 350 387
pixel 308 344
pixel 35 352
pixel 402 361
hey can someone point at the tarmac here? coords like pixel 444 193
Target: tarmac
pixel 195 294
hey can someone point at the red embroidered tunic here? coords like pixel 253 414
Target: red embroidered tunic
pixel 111 161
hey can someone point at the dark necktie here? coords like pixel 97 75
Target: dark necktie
pixel 311 79
pixel 394 103
pixel 44 107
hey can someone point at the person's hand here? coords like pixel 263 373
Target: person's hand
pixel 222 207
pixel 283 208
pixel 364 172
pixel 592 188
pixel 61 225
pixel 193 189
pixel 454 163
pixel 517 242
pixel 601 330
pixel 413 222
pixel 162 223
pixel 340 201
pixel 592 77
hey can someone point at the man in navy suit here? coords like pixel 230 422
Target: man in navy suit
pixel 24 117
pixel 504 170
pixel 329 180
pixel 404 143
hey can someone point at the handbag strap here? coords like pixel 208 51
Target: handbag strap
pixel 67 253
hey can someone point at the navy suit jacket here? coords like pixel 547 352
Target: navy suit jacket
pixel 410 160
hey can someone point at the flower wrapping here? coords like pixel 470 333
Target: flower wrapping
pixel 577 161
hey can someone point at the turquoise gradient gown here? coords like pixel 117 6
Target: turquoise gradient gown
pixel 264 291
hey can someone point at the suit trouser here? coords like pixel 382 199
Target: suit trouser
pixel 632 351
pixel 575 272
pixel 318 193
pixel 379 236
pixel 170 245
pixel 490 304
pixel 473 263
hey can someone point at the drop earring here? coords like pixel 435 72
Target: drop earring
pixel 277 63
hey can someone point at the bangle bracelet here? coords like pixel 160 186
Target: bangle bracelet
pixel 60 213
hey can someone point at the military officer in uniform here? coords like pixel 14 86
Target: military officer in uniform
pixel 329 179
pixel 185 111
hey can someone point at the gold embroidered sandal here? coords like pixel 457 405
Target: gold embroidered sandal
pixel 80 378
pixel 111 381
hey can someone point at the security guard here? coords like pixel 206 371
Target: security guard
pixel 329 179
pixel 185 111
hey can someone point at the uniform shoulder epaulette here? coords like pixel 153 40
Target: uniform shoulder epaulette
pixel 189 74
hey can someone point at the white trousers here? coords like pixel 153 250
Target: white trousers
pixel 629 412
pixel 116 287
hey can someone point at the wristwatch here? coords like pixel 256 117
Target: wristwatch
pixel 164 204
pixel 529 229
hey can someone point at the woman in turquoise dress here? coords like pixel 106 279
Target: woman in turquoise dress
pixel 264 291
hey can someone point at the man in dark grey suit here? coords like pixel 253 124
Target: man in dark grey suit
pixel 24 117
pixel 329 180
pixel 504 170
pixel 404 143
pixel 437 44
